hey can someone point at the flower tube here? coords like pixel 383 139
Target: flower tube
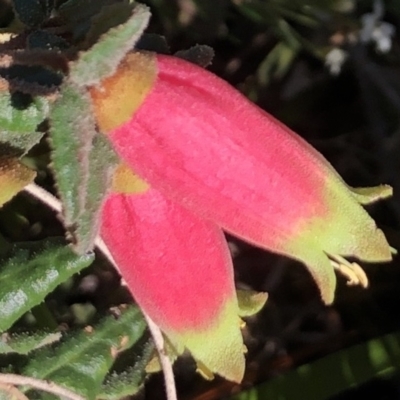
pixel 179 270
pixel 202 144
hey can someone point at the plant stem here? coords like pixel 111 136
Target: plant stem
pixel 45 386
pixel 166 364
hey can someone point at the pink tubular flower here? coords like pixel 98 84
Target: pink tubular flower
pixel 201 144
pixel 179 270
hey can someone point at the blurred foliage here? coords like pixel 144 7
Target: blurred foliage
pixel 49 263
pixel 82 360
pixel 330 375
pixel 49 52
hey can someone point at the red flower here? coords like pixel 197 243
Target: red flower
pixel 203 146
pixel 179 270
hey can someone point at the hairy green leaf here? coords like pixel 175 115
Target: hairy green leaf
pixel 82 163
pixel 102 160
pixel 30 272
pixel 82 360
pixel 20 114
pixel 24 343
pixel 102 59
pixel 23 142
pixel 128 377
pixel 72 129
pixel 107 18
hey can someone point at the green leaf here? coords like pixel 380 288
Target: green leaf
pixel 21 113
pixel 22 141
pixel 72 129
pixel 82 360
pixel 128 378
pixel 24 343
pixel 82 164
pixel 102 59
pixel 334 373
pixel 110 16
pixel 102 160
pixel 30 272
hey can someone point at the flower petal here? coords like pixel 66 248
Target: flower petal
pixel 251 302
pixel 203 144
pixel 178 268
pixel 370 195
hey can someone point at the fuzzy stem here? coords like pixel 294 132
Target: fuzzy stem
pixel 45 386
pixel 166 365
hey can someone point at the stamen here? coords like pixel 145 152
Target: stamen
pixel 340 259
pixel 204 371
pixel 354 274
pixel 362 276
